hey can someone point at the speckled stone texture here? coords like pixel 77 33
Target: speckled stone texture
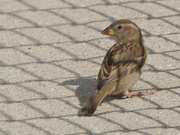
pixel 50 55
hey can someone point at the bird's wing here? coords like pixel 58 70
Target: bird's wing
pixel 121 59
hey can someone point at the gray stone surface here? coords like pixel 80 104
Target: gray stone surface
pixel 51 52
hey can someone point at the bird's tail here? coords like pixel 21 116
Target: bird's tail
pixel 93 102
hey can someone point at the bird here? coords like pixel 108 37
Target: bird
pixel 122 65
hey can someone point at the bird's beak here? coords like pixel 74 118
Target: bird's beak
pixel 108 31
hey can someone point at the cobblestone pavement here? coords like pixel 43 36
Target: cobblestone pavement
pixel 51 52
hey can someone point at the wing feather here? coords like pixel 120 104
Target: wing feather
pixel 121 59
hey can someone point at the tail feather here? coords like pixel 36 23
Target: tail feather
pixel 93 102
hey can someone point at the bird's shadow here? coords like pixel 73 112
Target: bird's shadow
pixel 85 88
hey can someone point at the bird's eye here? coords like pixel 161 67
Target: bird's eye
pixel 119 27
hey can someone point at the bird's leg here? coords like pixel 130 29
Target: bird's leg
pixel 130 93
pixel 122 95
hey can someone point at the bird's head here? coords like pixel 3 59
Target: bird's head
pixel 123 30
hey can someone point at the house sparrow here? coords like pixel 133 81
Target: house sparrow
pixel 122 65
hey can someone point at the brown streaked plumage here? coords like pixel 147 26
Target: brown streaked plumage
pixel 122 65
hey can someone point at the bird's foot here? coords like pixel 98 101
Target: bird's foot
pixel 130 93
pixel 122 95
